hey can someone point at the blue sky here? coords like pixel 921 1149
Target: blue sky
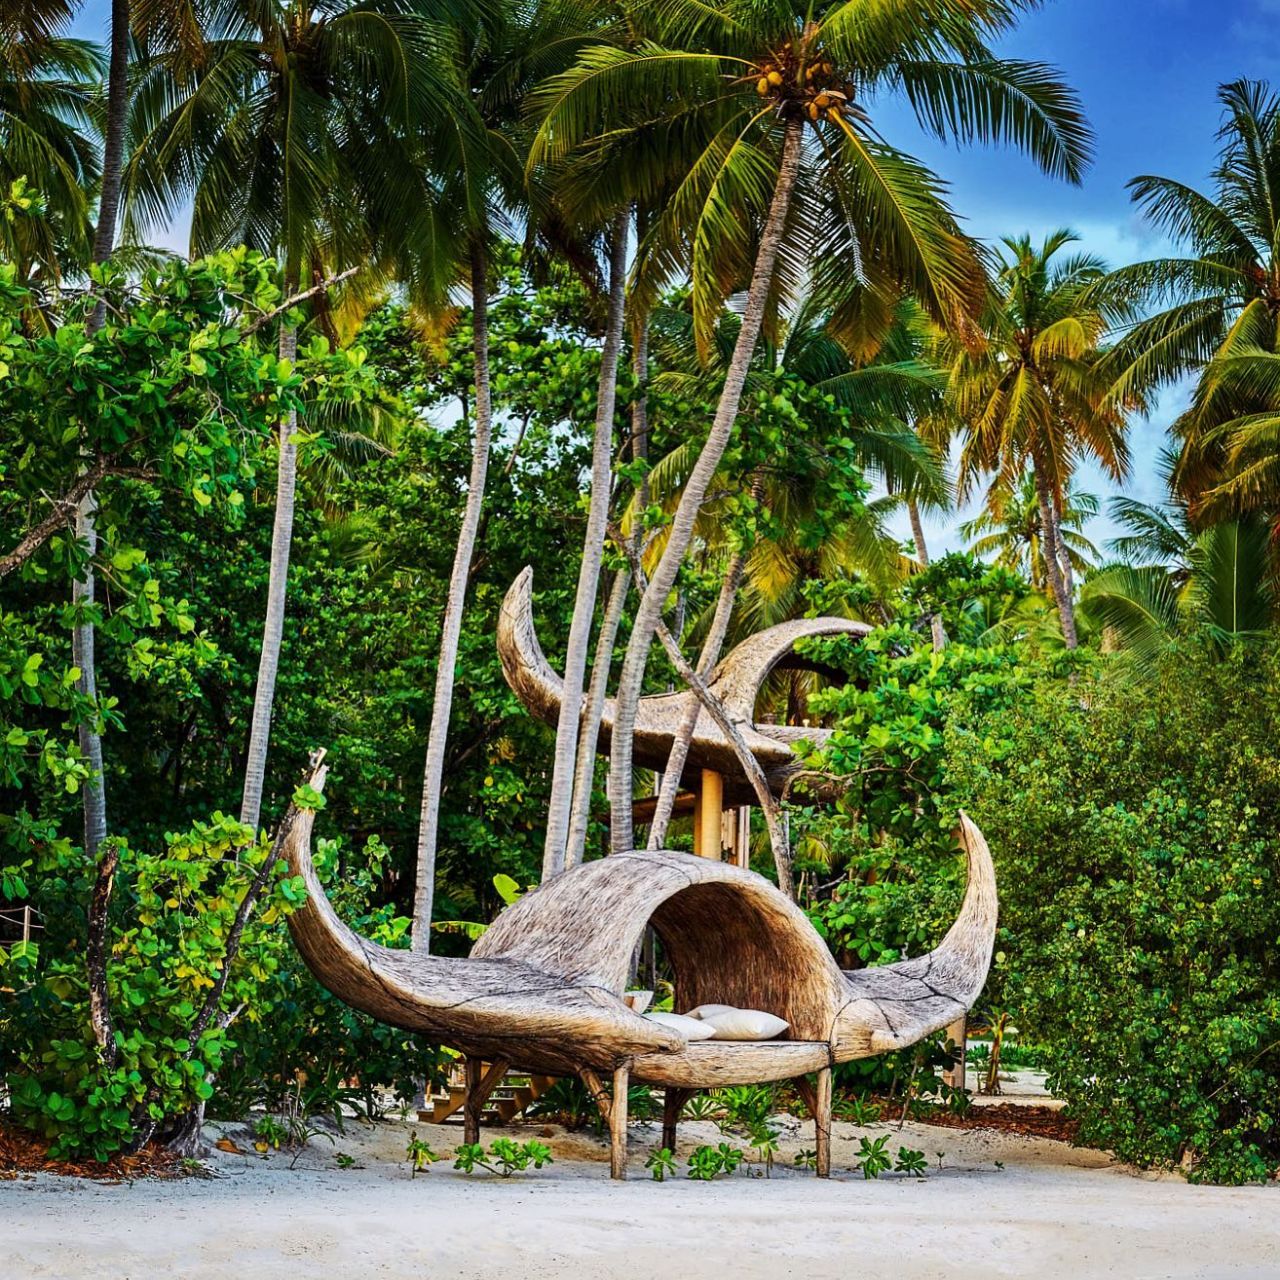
pixel 1147 71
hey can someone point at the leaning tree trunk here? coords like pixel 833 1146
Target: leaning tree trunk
pixel 560 807
pixel 1052 561
pixel 451 626
pixel 264 691
pixel 94 794
pixel 652 603
pixel 707 660
pixel 922 554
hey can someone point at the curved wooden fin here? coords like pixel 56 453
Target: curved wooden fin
pixel 488 1007
pixel 900 1004
pixel 736 681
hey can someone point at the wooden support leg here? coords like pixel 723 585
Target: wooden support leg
pixel 480 1084
pixel 822 1123
pixel 472 1107
pixel 958 1034
pixel 618 1124
pixel 673 1101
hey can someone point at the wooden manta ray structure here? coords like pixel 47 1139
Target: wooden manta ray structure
pixel 543 988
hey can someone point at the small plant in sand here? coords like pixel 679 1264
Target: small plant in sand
pixel 504 1157
pixel 858 1110
pixel 269 1134
pixel 661 1163
pixel 910 1161
pixel 873 1157
pixel 807 1158
pixel 707 1162
pixel 418 1154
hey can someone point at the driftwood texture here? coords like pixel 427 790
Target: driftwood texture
pixel 735 682
pixel 543 987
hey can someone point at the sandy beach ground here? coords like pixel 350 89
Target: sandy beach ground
pixel 999 1206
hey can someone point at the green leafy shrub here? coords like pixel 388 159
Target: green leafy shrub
pixel 1136 828
pixel 171 995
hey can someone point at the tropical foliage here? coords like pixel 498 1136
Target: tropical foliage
pixel 642 296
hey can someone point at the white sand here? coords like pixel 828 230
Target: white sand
pixel 1050 1212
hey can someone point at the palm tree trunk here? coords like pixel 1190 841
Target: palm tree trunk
pixel 584 769
pixel 1052 562
pixel 584 772
pixel 264 691
pixel 568 727
pixel 922 554
pixel 94 794
pixel 451 627
pixel 653 601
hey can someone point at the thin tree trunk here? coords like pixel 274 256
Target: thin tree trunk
pixel 568 727
pixel 922 554
pixel 1052 562
pixel 94 793
pixel 707 660
pixel 652 603
pixel 451 627
pixel 264 691
pixel 584 771
pixel 775 819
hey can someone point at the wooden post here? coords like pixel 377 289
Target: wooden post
pixel 472 1107
pixel 742 850
pixel 822 1123
pixel 697 823
pixel 673 1101
pixel 958 1034
pixel 618 1124
pixel 707 820
pixel 26 923
pixel 480 1084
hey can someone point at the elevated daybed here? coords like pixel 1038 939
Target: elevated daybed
pixel 542 990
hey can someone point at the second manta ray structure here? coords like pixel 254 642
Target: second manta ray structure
pixel 543 989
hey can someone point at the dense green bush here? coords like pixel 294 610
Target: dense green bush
pixel 1136 828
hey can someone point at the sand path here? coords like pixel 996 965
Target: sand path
pixel 1050 1212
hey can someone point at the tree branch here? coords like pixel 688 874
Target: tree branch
pixel 294 298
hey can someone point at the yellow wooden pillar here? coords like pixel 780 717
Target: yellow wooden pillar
pixel 707 817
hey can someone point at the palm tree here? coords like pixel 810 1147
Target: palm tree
pixel 1218 583
pixel 48 163
pixel 1032 398
pixel 767 108
pixel 1220 311
pixel 292 130
pixel 1013 536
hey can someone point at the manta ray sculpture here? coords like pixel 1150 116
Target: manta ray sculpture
pixel 543 988
pixel 736 681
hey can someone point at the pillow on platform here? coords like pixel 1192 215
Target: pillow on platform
pixel 744 1024
pixel 706 1010
pixel 689 1028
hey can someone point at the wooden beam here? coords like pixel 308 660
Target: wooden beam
pixel 642 809
pixel 595 1087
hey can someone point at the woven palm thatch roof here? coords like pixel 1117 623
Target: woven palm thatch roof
pixel 543 987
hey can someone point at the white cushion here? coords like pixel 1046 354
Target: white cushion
pixel 704 1010
pixel 744 1024
pixel 689 1028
